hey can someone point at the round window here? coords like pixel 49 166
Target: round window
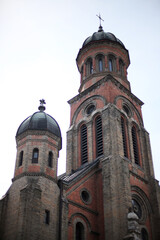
pixel 85 196
pixel 90 109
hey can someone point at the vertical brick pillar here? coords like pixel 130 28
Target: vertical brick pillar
pixel 115 175
pixel 69 164
pixel 106 63
pixel 117 65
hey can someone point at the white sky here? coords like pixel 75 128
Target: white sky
pixel 39 42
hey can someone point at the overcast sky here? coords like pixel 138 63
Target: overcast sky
pixel 39 42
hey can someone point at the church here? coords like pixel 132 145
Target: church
pixel 109 191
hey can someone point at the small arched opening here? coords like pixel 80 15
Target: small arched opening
pixel 79 231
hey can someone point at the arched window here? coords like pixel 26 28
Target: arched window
pixel 111 63
pixel 127 110
pixel 20 159
pixel 79 231
pixel 135 145
pixel 99 136
pixel 100 63
pixel 50 159
pixel 121 67
pixel 89 67
pixel 124 137
pixel 35 155
pixel 144 234
pixel 84 146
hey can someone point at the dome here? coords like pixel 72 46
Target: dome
pixel 40 121
pixel 101 35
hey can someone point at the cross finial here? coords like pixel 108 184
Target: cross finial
pixel 42 107
pixel 100 19
pixel 42 101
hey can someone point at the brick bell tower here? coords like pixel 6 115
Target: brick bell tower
pixel 32 202
pixel 107 126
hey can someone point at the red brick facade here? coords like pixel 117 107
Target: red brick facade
pixel 109 190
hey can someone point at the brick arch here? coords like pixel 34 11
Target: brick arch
pixel 84 104
pixel 96 114
pixel 74 218
pixel 141 195
pixel 135 124
pixel 111 54
pixel 99 53
pixel 88 58
pixel 131 106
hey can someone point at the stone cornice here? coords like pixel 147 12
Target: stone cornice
pixel 37 140
pixel 36 132
pixel 33 174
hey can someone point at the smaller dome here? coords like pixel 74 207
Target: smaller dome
pixel 101 35
pixel 40 121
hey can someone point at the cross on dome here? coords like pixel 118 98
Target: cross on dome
pixel 100 19
pixel 42 107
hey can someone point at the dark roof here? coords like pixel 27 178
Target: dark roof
pixel 101 35
pixel 40 121
pixel 67 179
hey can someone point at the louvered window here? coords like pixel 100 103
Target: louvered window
pixel 135 145
pixel 84 147
pixel 124 138
pixel 99 136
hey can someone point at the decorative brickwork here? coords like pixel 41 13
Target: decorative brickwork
pixel 109 166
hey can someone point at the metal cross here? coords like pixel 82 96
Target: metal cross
pixel 100 19
pixel 42 101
